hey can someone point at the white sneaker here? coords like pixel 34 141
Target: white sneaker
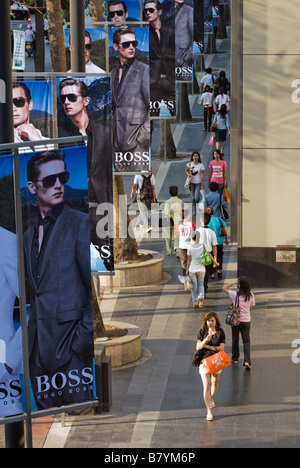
pixel 148 229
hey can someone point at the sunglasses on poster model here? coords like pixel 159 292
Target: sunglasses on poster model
pixel 117 12
pixel 126 44
pixel 150 10
pixel 71 97
pixel 50 180
pixel 88 46
pixel 19 101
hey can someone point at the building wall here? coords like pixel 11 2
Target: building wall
pixel 268 148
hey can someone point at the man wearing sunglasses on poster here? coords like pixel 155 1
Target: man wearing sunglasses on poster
pixel 74 98
pixel 90 67
pixel 117 11
pixel 60 327
pixel 162 60
pixel 130 105
pixel 23 129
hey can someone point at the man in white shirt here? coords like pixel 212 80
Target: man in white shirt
pixel 209 239
pixel 207 80
pixel 144 202
pixel 23 129
pixel 90 67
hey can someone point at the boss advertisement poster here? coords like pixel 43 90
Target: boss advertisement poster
pixel 130 88
pixel 32 113
pixel 10 332
pixel 57 254
pixel 162 57
pixel 184 38
pixel 84 108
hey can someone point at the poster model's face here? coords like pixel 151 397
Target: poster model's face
pixel 151 12
pixel 72 102
pixel 126 47
pixel 49 197
pixel 117 13
pixel 21 107
pixel 88 49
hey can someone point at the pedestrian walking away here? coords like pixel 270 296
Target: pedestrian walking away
pixel 209 239
pixel 172 216
pixel 211 338
pixel 196 270
pixel 184 231
pixel 246 302
pixel 223 126
pixel 208 110
pixel 216 223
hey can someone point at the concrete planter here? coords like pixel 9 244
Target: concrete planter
pixel 137 274
pixel 123 350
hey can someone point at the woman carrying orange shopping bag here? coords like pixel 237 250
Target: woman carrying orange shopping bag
pixel 211 338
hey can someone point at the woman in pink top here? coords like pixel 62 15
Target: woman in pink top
pixel 218 171
pixel 246 302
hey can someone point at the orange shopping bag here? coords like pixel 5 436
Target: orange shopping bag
pixel 227 195
pixel 216 362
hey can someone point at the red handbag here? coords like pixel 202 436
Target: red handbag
pixel 211 140
pixel 216 362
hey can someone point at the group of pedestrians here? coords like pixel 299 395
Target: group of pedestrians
pixel 216 106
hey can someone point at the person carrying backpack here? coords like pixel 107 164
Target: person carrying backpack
pixel 144 185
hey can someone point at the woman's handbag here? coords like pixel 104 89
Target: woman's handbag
pixel 187 183
pixel 205 257
pixel 188 285
pixel 211 140
pixel 216 362
pixel 214 126
pixel 233 316
pixel 222 230
pixel 224 214
pixel 199 355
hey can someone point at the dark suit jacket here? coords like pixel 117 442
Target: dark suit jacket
pixel 184 30
pixel 131 121
pixel 61 317
pixel 162 57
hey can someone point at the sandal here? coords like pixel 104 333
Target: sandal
pixel 209 417
pixel 212 405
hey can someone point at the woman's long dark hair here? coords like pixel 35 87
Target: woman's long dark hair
pixel 223 111
pixel 198 154
pixel 244 288
pixel 204 327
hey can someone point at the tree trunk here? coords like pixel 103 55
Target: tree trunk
pixel 99 328
pixel 222 33
pixel 184 111
pixel 125 247
pixel 39 59
pixel 56 36
pixel 97 11
pixel 170 146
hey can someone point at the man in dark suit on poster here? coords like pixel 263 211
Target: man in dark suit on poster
pixel 60 327
pixel 130 105
pixel 162 60
pixel 75 99
pixel 184 37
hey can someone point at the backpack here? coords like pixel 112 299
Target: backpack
pixel 146 191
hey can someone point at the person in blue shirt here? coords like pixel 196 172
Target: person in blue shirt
pixel 215 223
pixel 214 199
